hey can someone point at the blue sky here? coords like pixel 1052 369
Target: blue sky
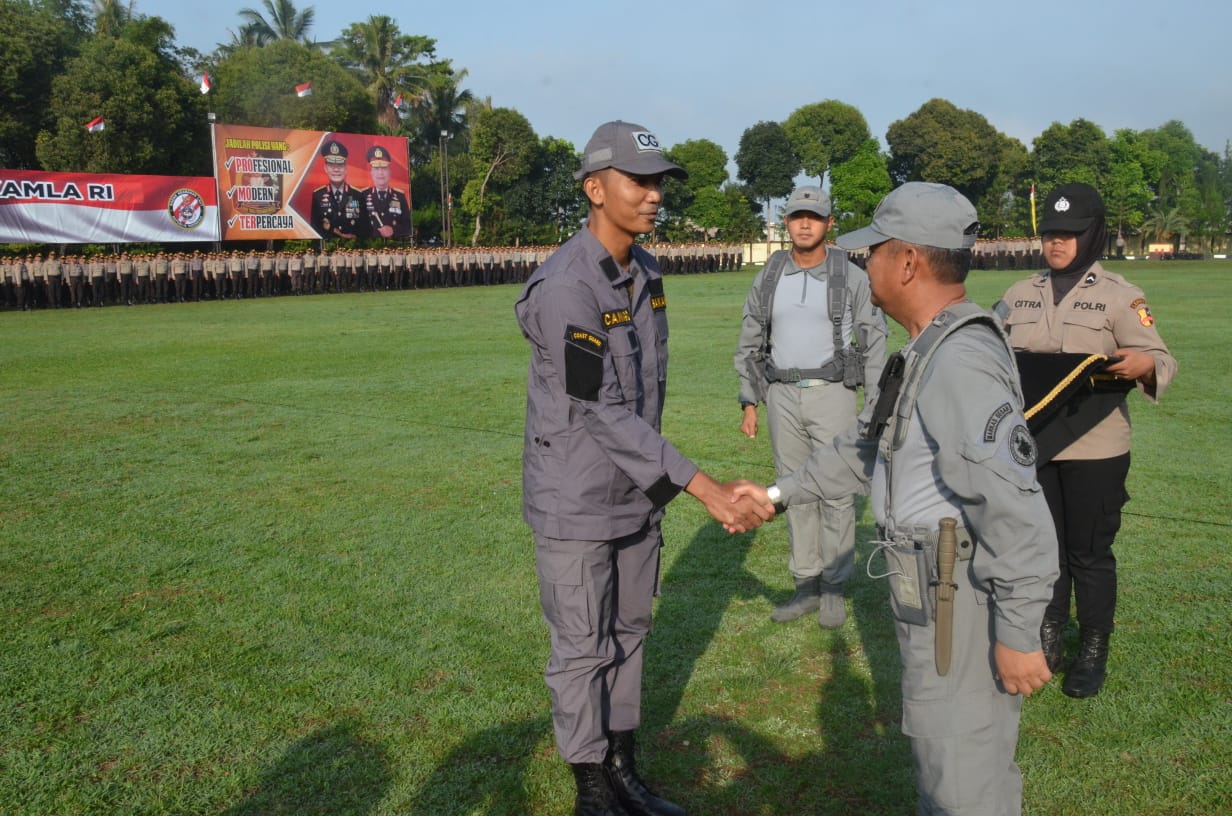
pixel 692 70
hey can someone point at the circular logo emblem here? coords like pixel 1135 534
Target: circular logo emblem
pixel 1022 446
pixel 186 208
pixel 1062 204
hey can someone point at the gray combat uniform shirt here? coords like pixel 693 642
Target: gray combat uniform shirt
pixel 861 319
pixel 595 466
pixel 967 454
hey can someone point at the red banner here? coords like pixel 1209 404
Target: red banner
pixel 278 183
pixel 38 207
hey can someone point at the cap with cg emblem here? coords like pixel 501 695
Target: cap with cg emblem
pixel 627 147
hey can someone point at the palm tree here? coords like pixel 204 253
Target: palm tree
pixel 441 107
pixel 1166 224
pixel 387 62
pixel 245 37
pixel 284 22
pixel 110 17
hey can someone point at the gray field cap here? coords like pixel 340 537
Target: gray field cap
pixel 923 213
pixel 809 198
pixel 628 147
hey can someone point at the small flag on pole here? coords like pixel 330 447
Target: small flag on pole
pixel 397 103
pixel 303 90
pixel 95 125
pixel 205 83
pixel 1033 228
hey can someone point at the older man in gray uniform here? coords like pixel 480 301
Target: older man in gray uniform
pixel 597 473
pixel 810 336
pixel 947 443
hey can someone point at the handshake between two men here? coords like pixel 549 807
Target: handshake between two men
pixel 739 505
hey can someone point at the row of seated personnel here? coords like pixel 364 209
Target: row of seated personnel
pixel 35 281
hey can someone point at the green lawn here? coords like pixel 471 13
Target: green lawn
pixel 267 557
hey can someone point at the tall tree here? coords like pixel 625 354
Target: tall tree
pixel 1125 190
pixel 284 22
pixel 388 62
pixel 706 164
pixel 1075 152
pixel 441 108
pixel 941 143
pixel 545 205
pixel 37 41
pixel 857 185
pixel 824 134
pixel 155 117
pixel 256 86
pixel 765 162
pixel 503 145
pixel 110 17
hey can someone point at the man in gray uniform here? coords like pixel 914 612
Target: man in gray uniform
pixel 810 336
pixel 947 441
pixel 596 473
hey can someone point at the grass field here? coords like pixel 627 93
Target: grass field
pixel 266 557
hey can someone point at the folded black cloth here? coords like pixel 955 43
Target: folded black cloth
pixel 1065 395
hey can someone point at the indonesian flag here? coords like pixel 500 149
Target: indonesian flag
pixel 397 103
pixel 205 83
pixel 96 124
pixel 303 90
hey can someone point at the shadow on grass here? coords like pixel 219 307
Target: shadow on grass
pixel 331 771
pixel 485 773
pixel 712 764
pixel 865 765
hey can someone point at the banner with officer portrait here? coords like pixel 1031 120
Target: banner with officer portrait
pixel 38 207
pixel 276 183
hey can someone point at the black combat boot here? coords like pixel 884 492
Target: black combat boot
pixel 1086 675
pixel 1051 632
pixel 595 796
pixel 807 599
pixel 632 792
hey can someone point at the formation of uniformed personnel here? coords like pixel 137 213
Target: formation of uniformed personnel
pixel 147 277
pixel 388 209
pixel 596 472
pixel 337 207
pixel 1076 307
pixel 809 337
pixel 968 544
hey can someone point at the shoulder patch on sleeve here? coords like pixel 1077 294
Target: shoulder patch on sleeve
pixel 1144 312
pixel 584 352
pixel 990 427
pixel 658 301
pixel 1022 446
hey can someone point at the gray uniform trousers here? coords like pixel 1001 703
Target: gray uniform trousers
pixel 822 534
pixel 963 728
pixel 597 599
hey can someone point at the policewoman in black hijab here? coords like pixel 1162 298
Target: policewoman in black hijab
pixel 1072 310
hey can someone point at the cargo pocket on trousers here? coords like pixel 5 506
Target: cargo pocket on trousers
pixel 565 595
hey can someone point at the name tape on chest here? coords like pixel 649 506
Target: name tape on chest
pixel 617 317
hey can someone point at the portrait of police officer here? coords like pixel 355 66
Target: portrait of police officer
pixel 337 207
pixel 389 210
pixel 965 539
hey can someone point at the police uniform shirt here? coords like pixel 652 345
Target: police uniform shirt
pixel 338 210
pixel 967 454
pixel 1102 313
pixel 388 208
pixel 595 466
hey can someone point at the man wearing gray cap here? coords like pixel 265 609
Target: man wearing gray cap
pixel 964 531
pixel 596 472
pixel 809 337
